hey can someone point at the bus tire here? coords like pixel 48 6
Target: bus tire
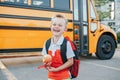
pixel 105 47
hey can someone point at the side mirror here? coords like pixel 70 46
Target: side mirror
pixel 93 27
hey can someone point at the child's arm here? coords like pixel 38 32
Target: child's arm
pixel 64 66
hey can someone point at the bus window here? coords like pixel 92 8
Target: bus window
pixel 44 3
pixel 85 26
pixel 94 22
pixel 92 13
pixel 17 1
pixel 9 0
pixel 84 10
pixel 22 1
pixel 64 5
pixel 76 15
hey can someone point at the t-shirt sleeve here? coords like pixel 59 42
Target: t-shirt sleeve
pixel 44 52
pixel 69 52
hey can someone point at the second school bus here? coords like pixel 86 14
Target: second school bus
pixel 25 25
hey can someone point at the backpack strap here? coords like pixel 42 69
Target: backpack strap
pixel 63 49
pixel 47 45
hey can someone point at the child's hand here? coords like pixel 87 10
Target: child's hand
pixel 52 69
pixel 47 65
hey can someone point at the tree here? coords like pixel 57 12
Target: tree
pixel 101 2
pixel 102 14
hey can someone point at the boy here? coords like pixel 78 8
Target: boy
pixel 58 69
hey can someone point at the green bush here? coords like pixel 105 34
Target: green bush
pixel 118 37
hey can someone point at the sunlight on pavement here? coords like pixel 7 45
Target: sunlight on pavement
pixel 2 66
pixel 6 72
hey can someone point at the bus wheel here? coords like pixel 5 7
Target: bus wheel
pixel 105 47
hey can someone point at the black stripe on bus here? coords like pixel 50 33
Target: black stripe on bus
pixel 26 17
pixel 33 7
pixel 20 50
pixel 23 17
pixel 27 28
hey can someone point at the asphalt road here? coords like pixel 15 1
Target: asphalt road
pixel 91 68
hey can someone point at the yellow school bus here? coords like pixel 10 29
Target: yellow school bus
pixel 25 25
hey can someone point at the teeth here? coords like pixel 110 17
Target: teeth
pixel 57 30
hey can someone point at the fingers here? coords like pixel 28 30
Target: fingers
pixel 47 64
pixel 52 69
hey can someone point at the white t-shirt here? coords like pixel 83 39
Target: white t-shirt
pixel 53 47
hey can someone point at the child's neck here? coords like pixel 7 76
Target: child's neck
pixel 55 39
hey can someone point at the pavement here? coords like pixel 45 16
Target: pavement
pixel 21 60
pixel 19 54
pixel 11 59
pixel 8 59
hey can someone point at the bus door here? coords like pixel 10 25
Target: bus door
pixel 93 27
pixel 80 20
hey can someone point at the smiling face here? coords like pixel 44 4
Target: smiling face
pixel 58 26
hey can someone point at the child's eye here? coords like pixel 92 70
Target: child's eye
pixel 54 24
pixel 60 25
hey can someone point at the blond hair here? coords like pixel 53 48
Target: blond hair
pixel 60 16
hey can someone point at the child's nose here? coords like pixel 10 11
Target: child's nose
pixel 56 26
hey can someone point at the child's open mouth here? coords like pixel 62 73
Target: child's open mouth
pixel 56 30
